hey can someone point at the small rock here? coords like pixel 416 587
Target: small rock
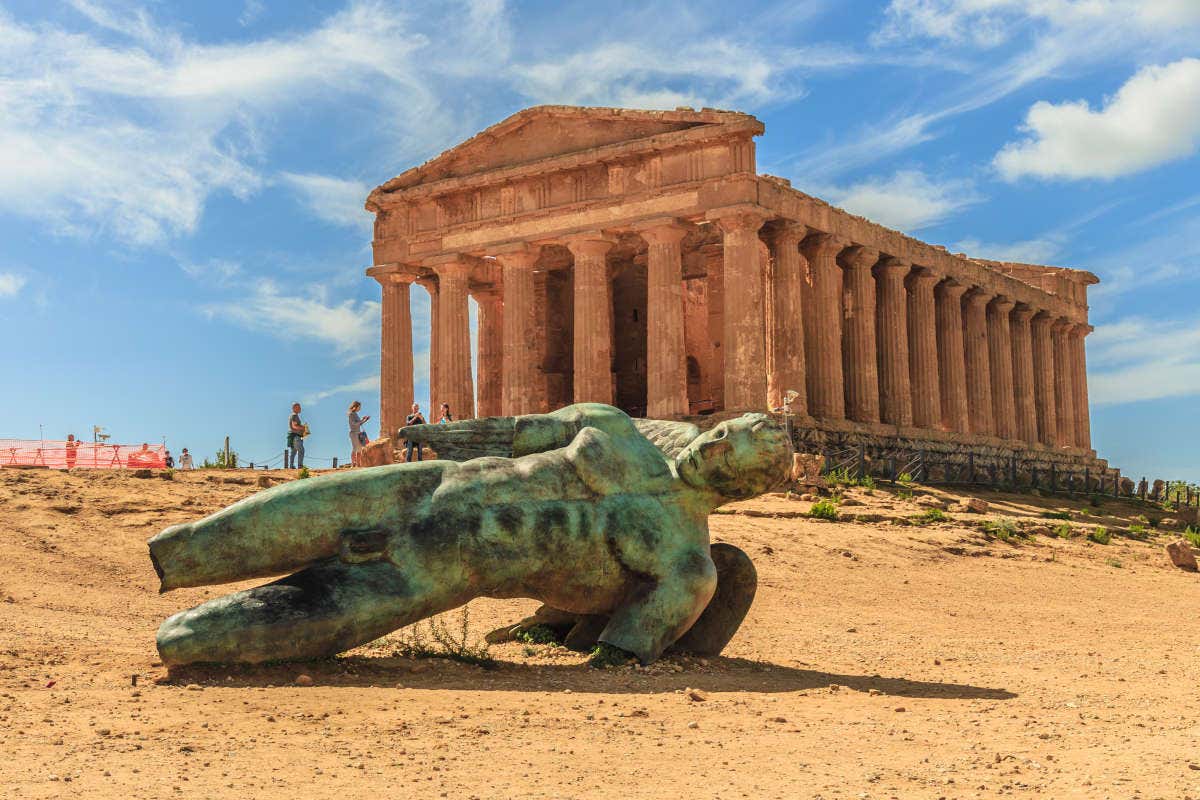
pixel 695 695
pixel 194 687
pixel 900 709
pixel 304 680
pixel 693 725
pixel 929 501
pixel 1181 555
pixel 1168 523
pixel 972 505
pixel 142 473
pixel 808 497
pixel 850 501
pixel 264 481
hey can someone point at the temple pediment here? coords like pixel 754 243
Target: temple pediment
pixel 548 132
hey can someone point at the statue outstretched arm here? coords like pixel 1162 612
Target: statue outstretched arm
pixel 511 437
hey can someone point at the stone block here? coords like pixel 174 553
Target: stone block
pixel 376 453
pixel 1181 555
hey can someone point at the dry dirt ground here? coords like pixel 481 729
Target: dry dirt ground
pixel 879 660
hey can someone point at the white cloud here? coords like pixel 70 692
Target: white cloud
pixel 1154 118
pixel 1136 359
pixel 352 327
pixel 336 200
pixel 11 283
pixel 251 11
pixel 367 384
pixel 907 201
pixel 1030 251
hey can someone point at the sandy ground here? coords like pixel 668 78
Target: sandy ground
pixel 880 660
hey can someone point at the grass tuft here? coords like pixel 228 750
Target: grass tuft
pixel 434 639
pixel 1100 535
pixel 605 655
pixel 930 516
pixel 824 509
pixel 1064 531
pixel 1003 529
pixel 1056 515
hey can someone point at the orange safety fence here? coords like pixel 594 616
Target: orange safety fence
pixel 58 455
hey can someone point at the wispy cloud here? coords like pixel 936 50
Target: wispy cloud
pixel 1029 251
pixel 367 384
pixel 350 326
pixel 335 200
pixel 251 11
pixel 1135 359
pixel 10 284
pixel 908 200
pixel 1154 118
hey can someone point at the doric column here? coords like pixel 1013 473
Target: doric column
pixel 1043 378
pixel 923 367
pixel 1024 395
pixel 952 369
pixel 891 341
pixel 517 392
pixel 979 374
pixel 788 317
pixel 999 336
pixel 666 349
pixel 430 285
pixel 396 353
pixel 489 366
pixel 745 334
pixel 1064 382
pixel 1083 425
pixel 860 364
pixel 593 320
pixel 454 339
pixel 823 326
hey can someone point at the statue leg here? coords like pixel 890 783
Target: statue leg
pixel 317 612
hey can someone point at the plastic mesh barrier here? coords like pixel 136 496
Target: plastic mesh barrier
pixel 58 455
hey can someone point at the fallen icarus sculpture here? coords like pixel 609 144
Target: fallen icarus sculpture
pixel 603 519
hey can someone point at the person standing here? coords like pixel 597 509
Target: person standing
pixel 356 432
pixel 72 450
pixel 297 430
pixel 185 460
pixel 415 418
pixel 446 415
pixel 168 459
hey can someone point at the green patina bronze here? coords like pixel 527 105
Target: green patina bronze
pixel 603 519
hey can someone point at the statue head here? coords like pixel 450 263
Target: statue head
pixel 738 458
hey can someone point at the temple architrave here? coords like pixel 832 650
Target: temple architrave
pixel 637 258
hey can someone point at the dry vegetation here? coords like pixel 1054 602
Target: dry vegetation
pixel 895 655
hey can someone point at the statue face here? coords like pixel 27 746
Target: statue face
pixel 738 458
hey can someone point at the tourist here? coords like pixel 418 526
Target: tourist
pixel 357 435
pixel 415 418
pixel 297 430
pixel 446 415
pixel 168 460
pixel 72 450
pixel 185 460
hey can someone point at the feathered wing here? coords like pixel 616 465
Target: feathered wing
pixel 494 436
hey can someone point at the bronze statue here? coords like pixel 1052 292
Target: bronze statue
pixel 582 511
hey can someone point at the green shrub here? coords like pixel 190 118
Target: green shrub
pixel 1192 535
pixel 1064 531
pixel 304 473
pixel 538 634
pixel 446 643
pixel 1003 529
pixel 1112 562
pixel 931 516
pixel 905 478
pixel 1056 515
pixel 1100 535
pixel 605 655
pixel 1137 530
pixel 867 483
pixel 824 509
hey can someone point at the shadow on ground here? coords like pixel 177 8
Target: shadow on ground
pixel 723 675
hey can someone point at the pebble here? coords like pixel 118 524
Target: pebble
pixel 304 680
pixel 693 725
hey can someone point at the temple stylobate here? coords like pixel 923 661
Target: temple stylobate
pixel 637 258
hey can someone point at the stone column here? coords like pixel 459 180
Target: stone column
pixel 999 337
pixel 952 369
pixel 435 358
pixel 1024 394
pixel 1083 426
pixel 396 353
pixel 923 367
pixel 489 366
pixel 979 373
pixel 744 336
pixel 518 393
pixel 593 320
pixel 1064 382
pixel 1043 378
pixel 823 327
pixel 666 349
pixel 891 337
pixel 860 364
pixel 454 340
pixel 788 317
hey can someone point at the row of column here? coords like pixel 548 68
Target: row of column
pixel 855 334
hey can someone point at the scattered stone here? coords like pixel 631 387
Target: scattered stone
pixel 900 709
pixel 695 695
pixel 808 497
pixel 929 501
pixel 143 473
pixel 693 725
pixel 304 680
pixel 1181 555
pixel 1169 523
pixel 850 501
pixel 264 481
pixel 972 505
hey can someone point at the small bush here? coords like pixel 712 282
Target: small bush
pixel 1056 515
pixel 304 473
pixel 605 655
pixel 905 479
pixel 1100 535
pixel 1193 536
pixel 538 634
pixel 1112 562
pixel 1137 530
pixel 1064 531
pixel 445 642
pixel 867 483
pixel 824 509
pixel 1003 529
pixel 931 516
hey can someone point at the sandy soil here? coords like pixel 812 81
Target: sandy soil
pixel 880 660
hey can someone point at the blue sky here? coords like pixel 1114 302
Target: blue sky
pixel 182 236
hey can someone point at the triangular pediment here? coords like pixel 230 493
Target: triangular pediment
pixel 546 132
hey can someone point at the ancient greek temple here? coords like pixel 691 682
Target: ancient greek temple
pixel 638 258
